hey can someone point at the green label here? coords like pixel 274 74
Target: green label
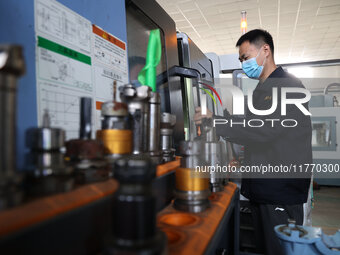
pixel 60 49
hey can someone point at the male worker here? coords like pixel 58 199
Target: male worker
pixel 273 201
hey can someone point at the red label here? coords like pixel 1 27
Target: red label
pixel 99 105
pixel 108 37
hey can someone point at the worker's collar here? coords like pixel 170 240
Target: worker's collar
pixel 267 84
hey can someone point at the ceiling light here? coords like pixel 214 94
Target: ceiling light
pixel 244 24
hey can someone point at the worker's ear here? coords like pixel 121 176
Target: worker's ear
pixel 266 50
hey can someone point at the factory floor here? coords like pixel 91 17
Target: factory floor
pixel 326 211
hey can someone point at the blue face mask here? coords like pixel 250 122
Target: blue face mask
pixel 251 68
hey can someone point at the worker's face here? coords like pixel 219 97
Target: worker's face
pixel 248 51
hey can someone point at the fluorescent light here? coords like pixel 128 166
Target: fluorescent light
pixel 244 24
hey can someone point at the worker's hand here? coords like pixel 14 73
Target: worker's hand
pixel 198 115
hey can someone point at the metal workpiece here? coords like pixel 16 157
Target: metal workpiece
pixel 167 124
pixel 48 172
pixel 208 132
pixel 168 120
pixel 135 169
pixel 45 163
pixel 85 130
pixel 79 150
pixel 12 66
pixel 48 185
pixel 114 109
pixel 45 144
pixel 154 125
pixel 45 137
pixel 115 134
pixel 86 155
pixel 12 60
pixel 192 185
pixel 192 201
pixel 134 228
pixel 11 190
pixel 84 148
pixel 192 153
pixel 115 115
pixel 188 179
pixel 117 142
pixel 215 154
pixel 137 99
pixel 192 190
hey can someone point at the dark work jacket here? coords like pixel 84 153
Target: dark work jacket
pixel 274 145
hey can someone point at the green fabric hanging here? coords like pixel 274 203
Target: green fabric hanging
pixel 147 76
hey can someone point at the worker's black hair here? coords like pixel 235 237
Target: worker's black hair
pixel 257 37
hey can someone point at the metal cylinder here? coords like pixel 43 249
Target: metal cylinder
pixel 86 155
pixel 154 122
pixel 168 122
pixel 215 154
pixel 134 209
pixel 189 180
pixel 192 186
pixel 116 141
pixel 45 157
pixel 45 138
pixel 12 66
pixel 85 130
pixel 166 141
pixel 47 170
pixel 115 134
pixel 138 108
pixel 115 116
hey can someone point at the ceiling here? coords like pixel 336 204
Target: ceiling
pixel 303 30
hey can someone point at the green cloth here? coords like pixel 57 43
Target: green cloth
pixel 147 76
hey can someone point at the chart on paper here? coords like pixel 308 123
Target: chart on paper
pixel 63 109
pixel 74 59
pixel 56 20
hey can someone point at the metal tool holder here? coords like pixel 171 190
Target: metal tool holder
pixel 215 154
pixel 116 134
pixel 85 154
pixel 168 122
pixel 12 66
pixel 138 108
pixel 192 187
pixel 47 169
pixel 134 209
pixel 154 125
